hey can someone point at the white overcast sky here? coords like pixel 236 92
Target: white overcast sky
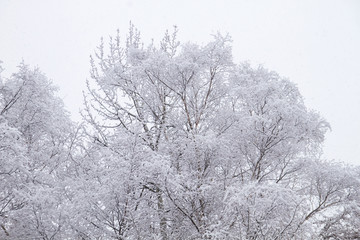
pixel 314 43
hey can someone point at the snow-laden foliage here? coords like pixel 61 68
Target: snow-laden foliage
pixel 179 142
pixel 37 147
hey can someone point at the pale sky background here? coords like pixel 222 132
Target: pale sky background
pixel 316 44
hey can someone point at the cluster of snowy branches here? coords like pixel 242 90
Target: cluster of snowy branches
pixel 178 142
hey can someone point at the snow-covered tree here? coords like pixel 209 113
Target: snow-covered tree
pixel 179 143
pixel 37 138
pixel 223 150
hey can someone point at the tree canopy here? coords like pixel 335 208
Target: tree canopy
pixel 178 142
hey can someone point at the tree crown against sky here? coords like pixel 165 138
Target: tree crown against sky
pixel 314 44
pixel 179 143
